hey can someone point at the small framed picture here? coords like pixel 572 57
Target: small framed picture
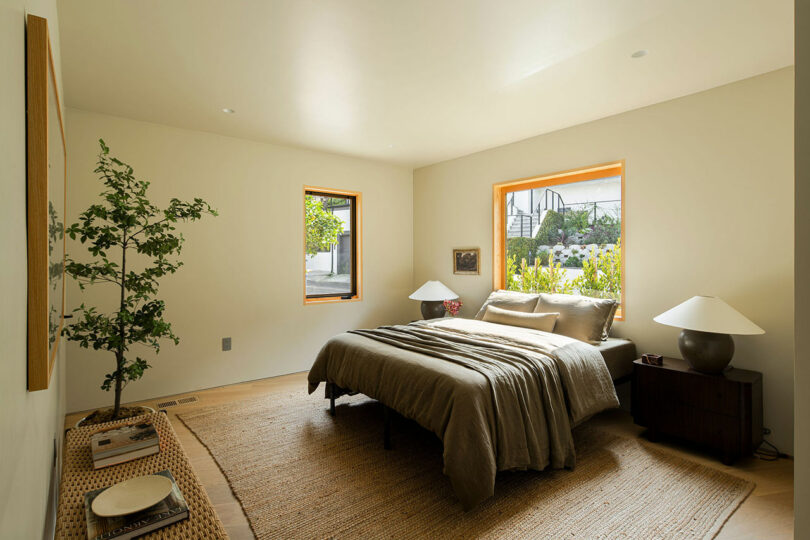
pixel 467 261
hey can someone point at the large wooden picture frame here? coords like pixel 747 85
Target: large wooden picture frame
pixel 47 183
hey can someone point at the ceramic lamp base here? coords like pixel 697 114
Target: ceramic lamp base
pixel 433 309
pixel 706 352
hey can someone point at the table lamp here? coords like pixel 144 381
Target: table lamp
pixel 433 294
pixel 707 322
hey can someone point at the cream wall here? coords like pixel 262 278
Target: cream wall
pixel 243 273
pixel 709 210
pixel 802 367
pixel 30 422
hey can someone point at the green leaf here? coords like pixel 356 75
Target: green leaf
pixel 323 228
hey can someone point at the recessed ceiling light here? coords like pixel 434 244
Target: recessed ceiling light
pixel 228 111
pixel 639 54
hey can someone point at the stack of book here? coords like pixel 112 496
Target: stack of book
pixel 122 444
pixel 170 510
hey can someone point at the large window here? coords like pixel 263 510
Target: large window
pixel 332 263
pixel 562 233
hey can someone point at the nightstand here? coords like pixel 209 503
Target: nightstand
pixel 720 412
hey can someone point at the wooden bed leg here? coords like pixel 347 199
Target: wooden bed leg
pixel 386 428
pixel 331 390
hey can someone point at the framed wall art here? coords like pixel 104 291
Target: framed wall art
pixel 467 261
pixel 46 178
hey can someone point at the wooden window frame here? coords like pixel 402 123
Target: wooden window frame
pixel 357 244
pixel 501 190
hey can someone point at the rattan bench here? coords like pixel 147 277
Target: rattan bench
pixel 79 477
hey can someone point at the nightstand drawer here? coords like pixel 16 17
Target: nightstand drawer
pixel 700 391
pixel 716 431
pixel 710 394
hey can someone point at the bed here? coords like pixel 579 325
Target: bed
pixel 500 397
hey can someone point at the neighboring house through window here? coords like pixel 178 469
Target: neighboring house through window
pixel 562 233
pixel 332 232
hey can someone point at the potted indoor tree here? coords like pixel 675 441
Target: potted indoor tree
pixel 124 225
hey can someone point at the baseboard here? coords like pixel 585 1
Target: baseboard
pixel 49 530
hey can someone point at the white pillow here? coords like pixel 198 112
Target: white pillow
pixel 535 321
pixel 511 300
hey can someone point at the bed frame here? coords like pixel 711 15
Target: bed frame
pixel 333 391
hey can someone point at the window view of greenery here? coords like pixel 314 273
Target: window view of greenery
pixel 566 239
pixel 329 245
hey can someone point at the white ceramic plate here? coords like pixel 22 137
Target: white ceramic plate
pixel 132 495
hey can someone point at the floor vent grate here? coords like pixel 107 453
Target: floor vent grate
pixel 166 404
pixel 176 402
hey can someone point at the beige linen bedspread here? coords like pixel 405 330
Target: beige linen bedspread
pixel 499 397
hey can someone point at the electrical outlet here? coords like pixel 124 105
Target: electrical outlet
pixel 766 431
pixel 226 344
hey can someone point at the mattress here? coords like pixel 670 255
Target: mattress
pixel 619 354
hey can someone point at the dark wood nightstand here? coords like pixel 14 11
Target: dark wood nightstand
pixel 721 412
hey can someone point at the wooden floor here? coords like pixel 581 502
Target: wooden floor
pixel 767 513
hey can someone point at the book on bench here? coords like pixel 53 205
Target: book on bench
pixel 170 510
pixel 125 443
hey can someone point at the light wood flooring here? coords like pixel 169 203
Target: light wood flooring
pixel 766 514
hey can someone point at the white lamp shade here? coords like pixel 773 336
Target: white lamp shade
pixel 708 314
pixel 433 291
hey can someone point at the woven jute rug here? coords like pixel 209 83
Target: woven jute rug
pixel 299 473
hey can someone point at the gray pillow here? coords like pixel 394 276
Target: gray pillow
pixel 581 317
pixel 609 322
pixel 512 300
pixel 535 321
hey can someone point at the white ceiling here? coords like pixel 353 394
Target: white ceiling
pixel 411 82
